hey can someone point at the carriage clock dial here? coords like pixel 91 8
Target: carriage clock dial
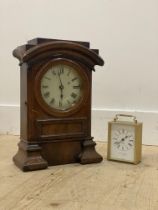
pixel 61 87
pixel 124 139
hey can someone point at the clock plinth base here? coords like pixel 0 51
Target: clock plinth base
pixel 89 154
pixel 28 157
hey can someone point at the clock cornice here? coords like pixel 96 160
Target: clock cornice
pixel 64 49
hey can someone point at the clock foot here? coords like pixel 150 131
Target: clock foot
pixel 28 157
pixel 89 154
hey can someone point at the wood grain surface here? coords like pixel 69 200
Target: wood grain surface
pixel 103 186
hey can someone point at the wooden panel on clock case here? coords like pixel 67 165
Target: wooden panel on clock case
pixel 61 152
pixel 61 129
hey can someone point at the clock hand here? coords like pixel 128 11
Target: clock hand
pixel 61 87
pixel 122 140
pixel 126 137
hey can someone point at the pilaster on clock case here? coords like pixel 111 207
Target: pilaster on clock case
pixel 55 103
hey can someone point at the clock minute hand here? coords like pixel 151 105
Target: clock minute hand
pixel 61 87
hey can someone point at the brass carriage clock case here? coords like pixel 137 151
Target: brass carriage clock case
pixel 55 104
pixel 125 139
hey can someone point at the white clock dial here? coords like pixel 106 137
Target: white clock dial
pixel 61 87
pixel 122 142
pixel 123 139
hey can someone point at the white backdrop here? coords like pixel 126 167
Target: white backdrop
pixel 125 31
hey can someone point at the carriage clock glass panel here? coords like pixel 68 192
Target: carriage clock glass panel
pixel 61 87
pixel 122 142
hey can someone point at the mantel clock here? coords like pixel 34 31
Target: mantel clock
pixel 55 85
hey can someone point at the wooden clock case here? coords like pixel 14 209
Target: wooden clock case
pixel 52 138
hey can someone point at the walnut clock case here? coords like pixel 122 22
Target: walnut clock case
pixel 56 81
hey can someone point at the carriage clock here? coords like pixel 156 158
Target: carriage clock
pixel 55 103
pixel 125 139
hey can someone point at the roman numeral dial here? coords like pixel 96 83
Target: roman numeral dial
pixel 123 140
pixel 61 86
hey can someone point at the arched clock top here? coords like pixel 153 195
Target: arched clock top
pixel 47 48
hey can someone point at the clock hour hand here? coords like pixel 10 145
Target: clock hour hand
pixel 119 142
